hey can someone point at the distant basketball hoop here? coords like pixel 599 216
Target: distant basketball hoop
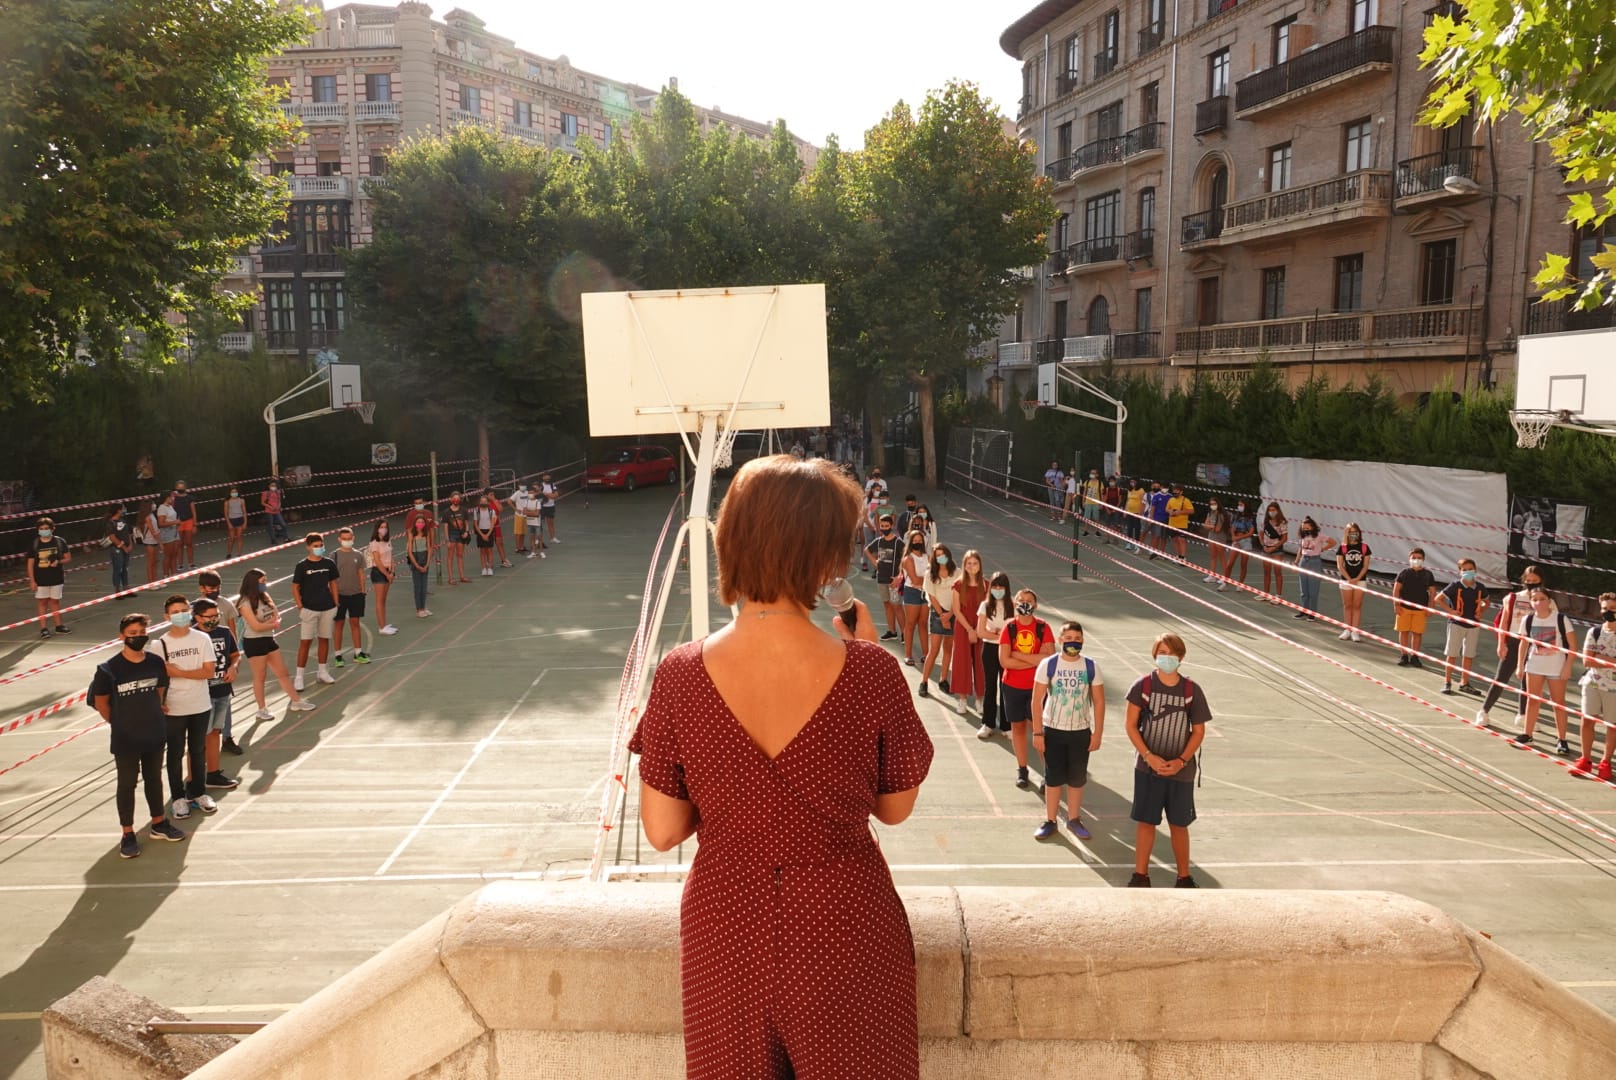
pixel 1532 425
pixel 365 409
pixel 343 390
pixel 1029 409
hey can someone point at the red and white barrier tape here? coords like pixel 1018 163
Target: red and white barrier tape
pixel 42 751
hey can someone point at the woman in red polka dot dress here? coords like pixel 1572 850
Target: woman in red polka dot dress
pixel 774 743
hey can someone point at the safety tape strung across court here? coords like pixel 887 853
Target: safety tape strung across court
pixel 1543 805
pixel 1320 616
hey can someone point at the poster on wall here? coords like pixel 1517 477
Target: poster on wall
pixel 1538 529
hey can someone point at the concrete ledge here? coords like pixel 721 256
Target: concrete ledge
pixel 94 1033
pixel 581 981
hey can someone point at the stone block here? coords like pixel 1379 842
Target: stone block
pixel 935 921
pixel 974 1059
pixel 1211 965
pixel 1519 1024
pixel 1293 1061
pixel 587 1055
pixel 95 1033
pixel 394 1016
pixel 569 957
pixel 474 1061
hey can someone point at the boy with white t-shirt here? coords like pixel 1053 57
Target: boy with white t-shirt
pixel 189 659
pixel 1599 688
pixel 1068 718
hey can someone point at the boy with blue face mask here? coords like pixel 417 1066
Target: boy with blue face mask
pixel 1068 718
pixel 46 557
pixel 1167 718
pixel 314 591
pixel 1464 601
pixel 188 658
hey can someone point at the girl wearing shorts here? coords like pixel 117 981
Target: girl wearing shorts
pixel 1352 565
pixel 1243 535
pixel 457 535
pixel 261 618
pixel 1272 535
pixel 235 520
pixel 382 573
pixel 914 567
pixel 487 518
pixel 1549 646
pixel 991 616
pixel 939 588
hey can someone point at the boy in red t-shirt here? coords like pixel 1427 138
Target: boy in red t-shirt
pixel 1024 640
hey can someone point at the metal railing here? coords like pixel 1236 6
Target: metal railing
pixel 1362 188
pixel 1105 62
pixel 376 110
pixel 1098 250
pixel 1066 82
pixel 1424 175
pixel 1139 245
pixel 314 262
pixel 1558 316
pixel 1212 114
pixel 304 187
pixel 1050 350
pixel 1337 329
pixel 1142 345
pixel 1151 38
pixel 1107 151
pixel 1026 105
pixel 1371 45
pixel 1015 354
pixel 1449 8
pixel 1214 8
pixel 1091 348
pixel 281 340
pixel 1201 227
pixel 323 112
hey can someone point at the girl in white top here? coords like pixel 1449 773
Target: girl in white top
pixel 991 616
pixel 235 520
pixel 940 578
pixel 150 538
pixel 914 567
pixel 1549 646
pixel 379 555
pixel 1517 605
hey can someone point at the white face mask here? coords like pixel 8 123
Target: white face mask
pixel 1416 563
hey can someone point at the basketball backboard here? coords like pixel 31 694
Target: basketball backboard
pixel 655 361
pixel 345 386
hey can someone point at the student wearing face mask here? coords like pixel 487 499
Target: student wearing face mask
pixel 207 617
pixel 906 516
pixel 119 540
pixel 1025 640
pixel 1166 722
pixel 886 552
pixel 1549 644
pixel 382 572
pixel 274 518
pixel 1352 567
pixel 1599 688
pixel 260 621
pixel 350 596
pixel 456 535
pixel 1311 544
pixel 1133 509
pixel 1242 535
pixel 314 591
pixel 211 587
pixel 1464 601
pixel 925 521
pixel 483 520
pixel 914 567
pixel 1272 535
pixel 991 618
pixel 47 555
pixel 970 589
pixel 1157 536
pixel 419 545
pixel 941 576
pixel 1093 498
pixel 1414 585
pixel 235 522
pixel 185 508
pixel 1511 617
pixel 188 656
pixel 1068 718
pixel 1218 530
pixel 128 691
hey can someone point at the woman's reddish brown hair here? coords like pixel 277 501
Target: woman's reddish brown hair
pixel 785 529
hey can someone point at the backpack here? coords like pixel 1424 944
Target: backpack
pixel 1560 623
pixel 1088 665
pixel 1147 684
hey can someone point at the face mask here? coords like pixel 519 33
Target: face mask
pixel 180 619
pixel 1530 584
pixel 921 514
pixel 272 487
pixel 886 529
pixel 1023 608
pixel 1608 616
pixel 1416 563
pixel 1214 508
pixel 346 543
pixel 381 534
pixel 1072 649
pixel 209 622
pixel 917 547
pixel 136 643
pixel 317 550
pixel 44 534
pixel 1467 576
pixel 420 506
pixel 1241 509
pixel 945 562
pixel 1273 513
pixel 233 494
pixel 179 491
pixel 1167 663
pixel 998 594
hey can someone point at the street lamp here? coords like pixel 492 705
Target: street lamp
pixel 1463 185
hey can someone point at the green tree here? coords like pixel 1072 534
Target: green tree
pixel 944 207
pixel 1553 65
pixel 127 169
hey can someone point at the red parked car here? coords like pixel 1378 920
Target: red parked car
pixel 635 466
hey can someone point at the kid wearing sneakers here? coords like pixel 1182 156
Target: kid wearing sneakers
pixel 1068 718
pixel 350 597
pixel 1599 688
pixel 188 659
pixel 128 691
pixel 1167 717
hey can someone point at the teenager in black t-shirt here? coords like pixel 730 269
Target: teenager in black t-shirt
pixel 46 577
pixel 128 691
pixel 119 542
pixel 314 591
pixel 1352 566
pixel 885 551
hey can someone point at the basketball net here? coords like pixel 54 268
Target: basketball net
pixel 1532 426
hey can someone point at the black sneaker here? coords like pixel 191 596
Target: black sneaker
pixel 943 685
pixel 1447 689
pixel 890 635
pixel 1562 748
pixel 1300 615
pixel 1522 741
pixel 229 746
pixel 1414 661
pixel 1021 780
pixel 1139 881
pixel 44 632
pixel 166 830
pixel 219 781
pixel 1402 660
pixel 63 629
pixel 924 691
pixel 1044 831
pixel 128 847
pixel 1185 882
pixel 1466 688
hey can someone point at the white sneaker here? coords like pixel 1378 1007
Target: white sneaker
pixel 503 562
pixel 263 714
pixel 542 555
pixel 533 555
pixel 1345 635
pixel 1223 586
pixel 426 613
pixel 325 676
pixel 553 540
pixel 1356 636
pixel 205 804
pixel 1481 716
pixel 986 731
pixel 180 809
pixel 389 629
pixel 1209 577
pixel 297 681
pixel 303 706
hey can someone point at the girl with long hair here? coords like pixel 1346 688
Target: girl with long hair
pixel 940 579
pixel 969 591
pixel 261 618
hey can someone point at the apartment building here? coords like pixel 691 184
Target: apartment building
pixel 371 76
pixel 1248 179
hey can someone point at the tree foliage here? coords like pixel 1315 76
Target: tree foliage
pixel 129 133
pixel 1552 64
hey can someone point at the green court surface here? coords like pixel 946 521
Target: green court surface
pixel 477 743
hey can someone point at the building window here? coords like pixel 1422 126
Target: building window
pixel 1099 317
pixel 282 168
pixel 1282 39
pixel 1147 209
pixel 1217 74
pixel 1028 84
pixel 569 124
pixel 328 168
pixel 378 164
pixel 1074 46
pixel 1364 13
pixel 328 309
pixel 1063 226
pixel 1155 16
pixel 1150 103
pixel 320 228
pixel 1102 216
pixel 1438 262
pixel 1058 320
pixel 1357 146
pixel 280 306
pixel 1141 310
pixel 1273 293
pixel 1279 167
pixel 1063 141
pixel 523 113
pixel 378 88
pixel 1588 242
pixel 323 88
pixel 1108 121
pixel 1110 31
pixel 1206 301
pixel 471 100
pixel 1349 282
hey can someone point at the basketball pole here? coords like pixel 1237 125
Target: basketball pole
pixel 700 524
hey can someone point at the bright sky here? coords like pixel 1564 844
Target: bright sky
pixel 824 65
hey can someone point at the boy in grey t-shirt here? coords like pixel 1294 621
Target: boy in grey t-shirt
pixel 350 596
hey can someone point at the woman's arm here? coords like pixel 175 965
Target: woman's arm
pixel 251 617
pixel 669 822
pixel 891 809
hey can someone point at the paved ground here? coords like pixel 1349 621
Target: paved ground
pixel 476 745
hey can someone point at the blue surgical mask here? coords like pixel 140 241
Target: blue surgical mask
pixel 317 550
pixel 998 594
pixel 1467 576
pixel 45 534
pixel 1072 649
pixel 945 561
pixel 181 619
pixel 1167 663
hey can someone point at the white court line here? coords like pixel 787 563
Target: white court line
pixel 476 752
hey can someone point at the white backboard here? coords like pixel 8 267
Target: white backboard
pixel 1049 384
pixel 345 387
pixel 1573 372
pixel 655 360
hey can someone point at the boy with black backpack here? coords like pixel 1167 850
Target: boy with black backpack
pixel 1068 718
pixel 1167 718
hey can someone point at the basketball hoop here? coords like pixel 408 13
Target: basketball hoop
pixel 1029 409
pixel 365 409
pixel 1532 425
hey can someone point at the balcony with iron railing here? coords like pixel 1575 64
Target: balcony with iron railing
pixel 1088 256
pixel 1203 227
pixel 1066 82
pixel 286 340
pixel 1139 245
pixel 1112 150
pixel 1015 354
pixel 1140 345
pixel 308 262
pixel 1151 38
pixel 1025 106
pixel 1558 316
pixel 1368 52
pixel 1212 114
pixel 318 187
pixel 1448 330
pixel 465 116
pixel 1420 179
pixel 1214 8
pixel 376 111
pixel 323 112
pixel 1356 196
pixel 1105 62
pixel 1049 350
